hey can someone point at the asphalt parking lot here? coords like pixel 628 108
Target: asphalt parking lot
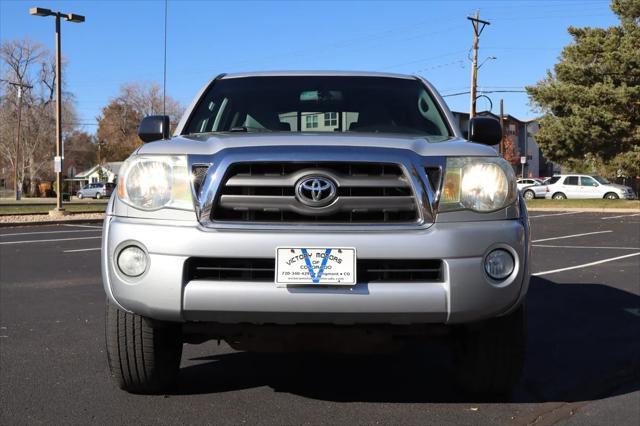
pixel 583 359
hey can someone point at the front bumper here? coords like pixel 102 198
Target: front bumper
pixel 465 294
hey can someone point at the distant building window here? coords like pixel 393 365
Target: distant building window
pixel 312 121
pixel 330 119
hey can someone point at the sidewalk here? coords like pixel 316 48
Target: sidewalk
pixel 49 201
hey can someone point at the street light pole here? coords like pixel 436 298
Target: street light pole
pixel 58 162
pixel 59 154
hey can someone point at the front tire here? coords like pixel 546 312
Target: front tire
pixel 489 356
pixel 80 196
pixel 143 355
pixel 611 196
pixel 98 196
pixel 529 195
pixel 559 196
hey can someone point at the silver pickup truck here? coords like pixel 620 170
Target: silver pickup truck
pixel 316 211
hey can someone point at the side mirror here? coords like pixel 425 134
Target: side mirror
pixel 153 128
pixel 485 130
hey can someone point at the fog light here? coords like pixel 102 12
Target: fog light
pixel 132 261
pixel 499 264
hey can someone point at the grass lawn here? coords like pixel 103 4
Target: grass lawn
pixel 36 208
pixel 595 203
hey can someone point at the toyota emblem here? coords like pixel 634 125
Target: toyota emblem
pixel 316 191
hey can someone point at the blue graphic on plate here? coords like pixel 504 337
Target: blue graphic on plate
pixel 315 277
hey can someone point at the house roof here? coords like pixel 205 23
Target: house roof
pixel 507 117
pixel 113 167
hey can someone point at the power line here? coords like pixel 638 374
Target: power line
pixel 484 91
pixel 459 62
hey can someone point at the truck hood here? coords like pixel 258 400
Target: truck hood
pixel 209 144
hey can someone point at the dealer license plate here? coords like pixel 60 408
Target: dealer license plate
pixel 315 266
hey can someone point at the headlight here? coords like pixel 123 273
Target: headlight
pixel 482 184
pixel 154 182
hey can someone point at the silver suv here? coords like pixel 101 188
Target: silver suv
pixel 316 211
pixel 96 190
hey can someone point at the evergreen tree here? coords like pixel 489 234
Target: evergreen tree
pixel 591 101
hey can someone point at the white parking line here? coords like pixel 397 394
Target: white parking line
pixel 570 236
pixel 49 232
pixel 83 226
pixel 48 241
pixel 77 250
pixel 553 271
pixel 553 214
pixel 587 247
pixel 617 217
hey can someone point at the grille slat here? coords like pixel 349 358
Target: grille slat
pixel 342 204
pixel 362 181
pixel 265 193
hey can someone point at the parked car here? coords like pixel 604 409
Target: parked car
pixel 311 211
pixel 527 182
pixel 96 190
pixel 537 190
pixel 586 186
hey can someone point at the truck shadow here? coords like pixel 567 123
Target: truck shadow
pixel 582 345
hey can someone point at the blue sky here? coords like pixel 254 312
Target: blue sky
pixel 121 41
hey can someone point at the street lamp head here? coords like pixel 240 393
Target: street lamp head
pixel 40 11
pixel 72 17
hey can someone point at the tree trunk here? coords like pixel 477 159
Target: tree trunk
pixel 32 177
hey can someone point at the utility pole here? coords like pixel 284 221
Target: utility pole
pixel 478 27
pixel 20 87
pixel 502 126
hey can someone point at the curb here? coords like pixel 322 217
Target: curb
pixel 49 222
pixel 95 203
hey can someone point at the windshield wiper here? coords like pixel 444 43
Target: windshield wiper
pixel 247 129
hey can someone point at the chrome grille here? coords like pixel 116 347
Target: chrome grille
pixel 199 172
pixel 265 193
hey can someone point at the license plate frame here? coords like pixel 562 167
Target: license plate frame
pixel 316 266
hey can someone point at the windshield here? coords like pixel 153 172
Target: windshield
pixel 553 180
pixel 601 180
pixel 319 104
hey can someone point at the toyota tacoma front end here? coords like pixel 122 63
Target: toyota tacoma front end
pixel 288 203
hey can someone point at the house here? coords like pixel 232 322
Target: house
pixel 522 133
pixel 106 172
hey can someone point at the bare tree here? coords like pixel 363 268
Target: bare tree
pixel 19 56
pixel 29 63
